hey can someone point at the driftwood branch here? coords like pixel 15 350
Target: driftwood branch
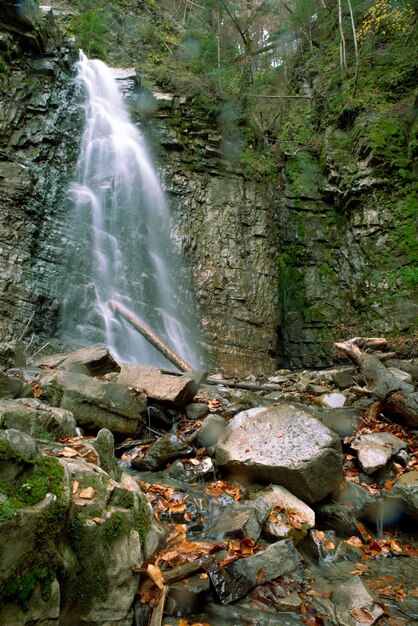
pixel 391 394
pixel 158 612
pixel 150 336
pixel 240 385
pixel 184 571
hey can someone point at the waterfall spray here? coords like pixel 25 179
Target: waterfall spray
pixel 122 233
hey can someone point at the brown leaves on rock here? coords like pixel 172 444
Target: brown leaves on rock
pixel 165 499
pixel 362 616
pixel 238 549
pixel 287 516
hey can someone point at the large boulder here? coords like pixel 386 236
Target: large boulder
pixel 167 388
pixel 96 404
pixel 405 492
pixel 37 419
pixel 60 519
pixel 286 446
pixel 11 387
pixel 93 360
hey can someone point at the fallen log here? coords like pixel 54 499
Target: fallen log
pixel 184 571
pixel 150 336
pixel 389 392
pixel 240 385
pixel 158 612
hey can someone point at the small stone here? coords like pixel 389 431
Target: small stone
pixel 333 400
pixel 211 430
pixel 196 410
pixel 344 378
pixel 401 374
pixel 292 602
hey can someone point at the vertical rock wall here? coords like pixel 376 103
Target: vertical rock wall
pixel 39 132
pixel 225 223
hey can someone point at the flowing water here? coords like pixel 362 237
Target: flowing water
pixel 122 234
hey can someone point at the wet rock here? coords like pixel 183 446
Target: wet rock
pixel 405 491
pixel 376 449
pixel 333 400
pixel 211 430
pixel 354 497
pixel 96 404
pixel 37 419
pixel 320 546
pixel 11 388
pixel 175 390
pixel 240 520
pixel 166 448
pixel 337 517
pixel 94 360
pixel 191 471
pixel 351 595
pixel 289 518
pixel 234 580
pixel 344 421
pixel 291 602
pixel 186 596
pixel 284 445
pixel 196 410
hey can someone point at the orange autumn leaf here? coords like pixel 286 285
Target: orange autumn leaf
pixel 320 535
pixel 155 574
pixel 177 507
pixel 361 615
pixel 295 519
pixel 354 541
pixel 68 453
pixel 75 486
pixel 87 494
pixel 329 545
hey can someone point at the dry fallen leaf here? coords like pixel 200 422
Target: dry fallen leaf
pixel 361 615
pixel 68 453
pixel 155 574
pixel 328 545
pixel 75 486
pixel 203 575
pixel 354 541
pixel 261 576
pixel 87 494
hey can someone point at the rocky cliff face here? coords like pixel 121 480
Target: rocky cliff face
pixel 278 271
pixel 225 223
pixel 39 132
pixel 347 243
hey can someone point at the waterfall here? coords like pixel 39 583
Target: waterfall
pixel 122 232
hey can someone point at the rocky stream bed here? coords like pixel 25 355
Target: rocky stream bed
pixel 131 495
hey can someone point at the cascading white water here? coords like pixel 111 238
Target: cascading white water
pixel 122 232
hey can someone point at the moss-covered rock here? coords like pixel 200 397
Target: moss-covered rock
pixel 71 537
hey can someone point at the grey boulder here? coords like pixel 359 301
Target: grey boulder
pixel 285 446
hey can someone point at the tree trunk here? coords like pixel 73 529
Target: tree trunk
pixel 391 394
pixel 150 336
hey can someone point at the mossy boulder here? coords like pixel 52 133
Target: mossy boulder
pixel 37 419
pixel 71 537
